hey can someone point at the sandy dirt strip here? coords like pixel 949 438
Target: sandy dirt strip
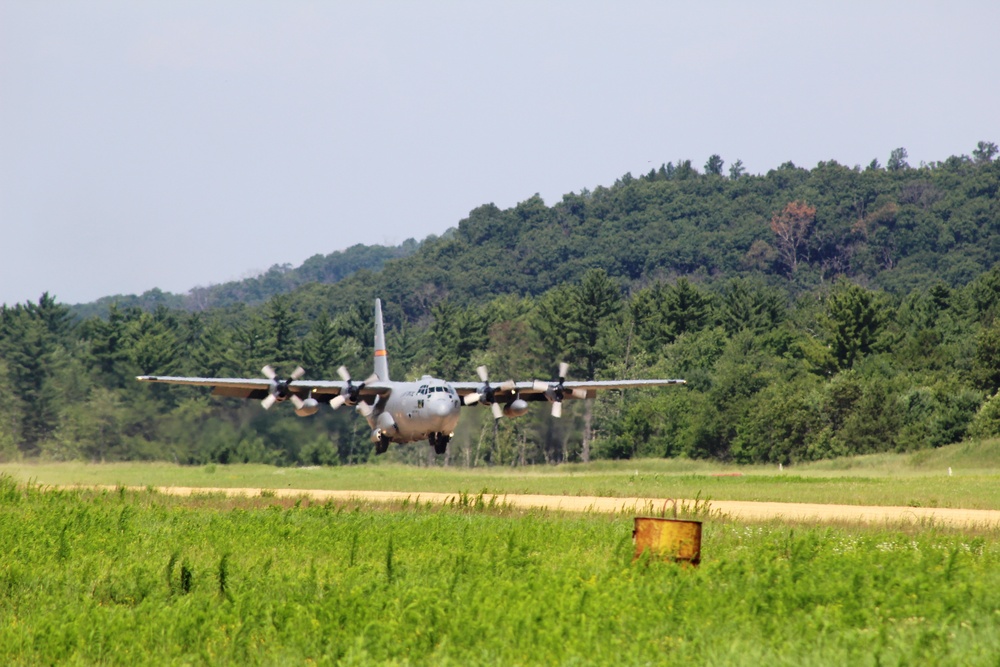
pixel 741 510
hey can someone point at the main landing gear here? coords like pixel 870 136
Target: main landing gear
pixel 382 445
pixel 439 441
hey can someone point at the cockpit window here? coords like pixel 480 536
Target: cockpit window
pixel 433 389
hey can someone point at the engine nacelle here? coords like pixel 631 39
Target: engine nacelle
pixel 378 434
pixel 309 407
pixel 516 408
pixel 386 424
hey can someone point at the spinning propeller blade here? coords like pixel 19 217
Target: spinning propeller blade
pixel 279 389
pixel 350 394
pixel 487 394
pixel 555 391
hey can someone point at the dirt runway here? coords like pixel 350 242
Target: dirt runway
pixel 739 510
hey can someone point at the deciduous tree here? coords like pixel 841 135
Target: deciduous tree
pixel 792 227
pixel 714 165
pixel 985 151
pixel 897 160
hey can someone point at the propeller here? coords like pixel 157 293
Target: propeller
pixel 487 394
pixel 555 391
pixel 279 390
pixel 352 392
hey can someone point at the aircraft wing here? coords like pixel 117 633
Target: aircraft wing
pixel 322 390
pixel 528 391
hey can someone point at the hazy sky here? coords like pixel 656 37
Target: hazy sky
pixel 174 144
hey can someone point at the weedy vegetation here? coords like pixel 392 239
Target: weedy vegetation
pixel 915 479
pixel 126 577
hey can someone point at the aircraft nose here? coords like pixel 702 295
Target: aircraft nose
pixel 440 408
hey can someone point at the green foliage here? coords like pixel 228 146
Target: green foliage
pixel 10 421
pixel 278 279
pixel 142 579
pixel 897 160
pixel 870 326
pixel 986 372
pixel 854 317
pixel 714 166
pixel 33 340
pixel 936 416
pixel 749 305
pixel 782 425
pixel 151 345
pixel 661 313
pixel 987 421
pixel 736 169
pixel 592 303
pixel 280 323
pixel 985 152
pixel 321 348
pixel 457 334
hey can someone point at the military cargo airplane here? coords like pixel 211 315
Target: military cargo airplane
pixel 403 412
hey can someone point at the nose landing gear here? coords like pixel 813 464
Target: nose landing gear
pixel 439 441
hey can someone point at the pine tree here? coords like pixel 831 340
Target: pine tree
pixel 321 348
pixel 854 317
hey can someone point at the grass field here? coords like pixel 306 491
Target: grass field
pixel 140 578
pixel 918 479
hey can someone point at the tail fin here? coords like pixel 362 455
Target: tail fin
pixel 381 361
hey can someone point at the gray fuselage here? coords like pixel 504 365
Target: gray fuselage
pixel 414 410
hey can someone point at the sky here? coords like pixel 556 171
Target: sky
pixel 175 144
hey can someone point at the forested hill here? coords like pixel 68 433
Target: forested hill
pixel 813 312
pixel 895 228
pixel 279 279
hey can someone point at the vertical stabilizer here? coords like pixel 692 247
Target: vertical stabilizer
pixel 381 361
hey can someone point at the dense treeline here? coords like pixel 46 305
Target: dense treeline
pixel 814 313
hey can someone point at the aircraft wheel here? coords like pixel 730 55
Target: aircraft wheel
pixel 440 442
pixel 382 446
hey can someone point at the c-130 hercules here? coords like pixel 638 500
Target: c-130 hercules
pixel 403 412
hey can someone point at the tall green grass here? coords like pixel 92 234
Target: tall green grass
pixel 138 578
